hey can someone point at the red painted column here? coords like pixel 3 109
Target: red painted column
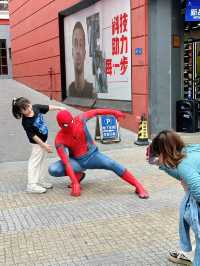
pixel 139 11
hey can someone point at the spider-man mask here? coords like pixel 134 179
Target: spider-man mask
pixel 64 119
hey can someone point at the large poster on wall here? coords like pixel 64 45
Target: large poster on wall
pixel 98 51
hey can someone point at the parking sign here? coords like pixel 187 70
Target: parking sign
pixel 109 128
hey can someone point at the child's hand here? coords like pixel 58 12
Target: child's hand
pixel 48 148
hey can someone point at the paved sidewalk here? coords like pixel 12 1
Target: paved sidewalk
pixel 108 225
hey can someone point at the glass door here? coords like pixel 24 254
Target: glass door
pixel 188 70
pixel 196 70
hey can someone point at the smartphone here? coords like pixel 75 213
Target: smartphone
pixel 151 158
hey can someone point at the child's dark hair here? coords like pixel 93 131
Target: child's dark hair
pixel 19 104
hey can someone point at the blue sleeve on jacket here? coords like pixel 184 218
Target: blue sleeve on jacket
pixel 191 177
pixel 170 171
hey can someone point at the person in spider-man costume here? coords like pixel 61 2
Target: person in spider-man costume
pixel 78 151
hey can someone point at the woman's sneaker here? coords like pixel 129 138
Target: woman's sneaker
pixel 179 258
pixel 35 189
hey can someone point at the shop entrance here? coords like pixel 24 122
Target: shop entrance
pixel 191 89
pixel 188 107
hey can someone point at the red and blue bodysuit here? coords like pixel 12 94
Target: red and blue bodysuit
pixel 78 151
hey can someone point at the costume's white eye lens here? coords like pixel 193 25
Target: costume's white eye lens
pixel 65 125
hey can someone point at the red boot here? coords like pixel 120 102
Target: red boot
pixel 128 177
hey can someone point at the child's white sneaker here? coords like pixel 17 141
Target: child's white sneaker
pixel 35 189
pixel 45 184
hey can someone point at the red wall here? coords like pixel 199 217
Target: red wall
pixel 35 42
pixel 35 48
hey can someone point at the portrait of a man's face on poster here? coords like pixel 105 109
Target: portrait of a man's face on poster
pixel 98 51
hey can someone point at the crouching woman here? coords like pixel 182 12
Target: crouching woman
pixel 182 162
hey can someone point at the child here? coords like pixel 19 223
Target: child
pixel 183 163
pixel 37 133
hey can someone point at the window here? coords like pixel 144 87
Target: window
pixel 3 58
pixel 3 5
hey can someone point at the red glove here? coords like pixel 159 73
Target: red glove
pixel 76 190
pixel 119 115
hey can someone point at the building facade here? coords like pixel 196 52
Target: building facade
pixel 36 52
pixel 137 67
pixel 5 47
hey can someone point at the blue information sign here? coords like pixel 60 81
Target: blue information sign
pixel 109 127
pixel 192 12
pixel 138 51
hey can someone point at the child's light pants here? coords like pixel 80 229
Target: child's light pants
pixel 36 164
